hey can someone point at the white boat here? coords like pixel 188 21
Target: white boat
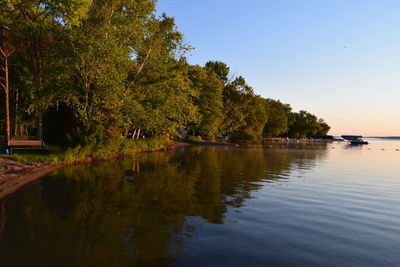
pixel 355 139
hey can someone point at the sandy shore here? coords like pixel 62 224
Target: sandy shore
pixel 14 175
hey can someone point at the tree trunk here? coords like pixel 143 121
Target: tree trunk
pixel 39 132
pixel 6 89
pixel 16 112
pixel 21 130
pixel 138 134
pixel 144 61
pixel 6 50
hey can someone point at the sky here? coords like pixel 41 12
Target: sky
pixel 338 59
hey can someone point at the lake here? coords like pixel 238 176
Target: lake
pixel 321 205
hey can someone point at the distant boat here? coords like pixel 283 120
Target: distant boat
pixel 355 139
pixel 338 139
pixel 358 142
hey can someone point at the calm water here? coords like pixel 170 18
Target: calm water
pixel 328 205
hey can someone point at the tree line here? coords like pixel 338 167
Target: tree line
pixel 82 70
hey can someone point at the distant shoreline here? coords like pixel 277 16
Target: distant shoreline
pixel 384 137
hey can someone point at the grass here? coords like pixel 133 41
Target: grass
pixel 116 148
pixel 193 139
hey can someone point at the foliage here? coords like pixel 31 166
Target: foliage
pixel 304 124
pixel 91 152
pixel 193 139
pixel 323 128
pixel 278 118
pixel 244 112
pixel 87 72
pixel 209 100
pixel 159 88
pixel 220 69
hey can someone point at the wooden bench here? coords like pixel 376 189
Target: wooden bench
pixel 26 144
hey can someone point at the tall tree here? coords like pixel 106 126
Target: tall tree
pixel 160 84
pixel 234 116
pixel 34 20
pixel 94 60
pixel 209 102
pixel 304 124
pixel 220 69
pixel 255 119
pixel 7 49
pixel 278 116
pixel 323 128
pixel 244 112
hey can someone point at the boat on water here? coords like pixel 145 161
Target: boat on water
pixel 358 142
pixel 355 139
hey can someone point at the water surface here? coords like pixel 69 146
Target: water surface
pixel 321 205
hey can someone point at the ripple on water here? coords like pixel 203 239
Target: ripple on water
pixel 213 207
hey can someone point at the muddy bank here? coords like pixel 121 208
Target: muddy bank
pixel 14 175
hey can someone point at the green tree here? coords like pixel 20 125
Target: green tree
pixel 234 116
pixel 102 67
pixel 255 119
pixel 304 124
pixel 209 101
pixel 220 69
pixel 244 111
pixel 33 21
pixel 95 61
pixel 7 49
pixel 160 83
pixel 278 116
pixel 323 128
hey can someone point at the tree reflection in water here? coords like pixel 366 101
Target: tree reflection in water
pixel 136 211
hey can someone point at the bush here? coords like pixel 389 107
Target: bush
pixel 193 139
pixel 118 147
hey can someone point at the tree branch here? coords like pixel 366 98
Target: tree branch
pixel 3 52
pixel 144 61
pixel 4 87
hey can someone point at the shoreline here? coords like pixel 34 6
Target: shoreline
pixel 15 175
pixel 14 183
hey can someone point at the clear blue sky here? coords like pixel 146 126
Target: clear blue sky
pixel 339 59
